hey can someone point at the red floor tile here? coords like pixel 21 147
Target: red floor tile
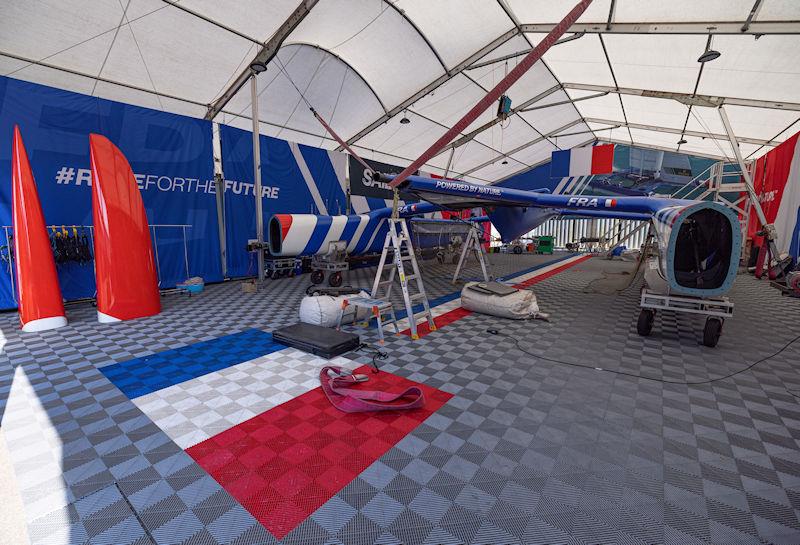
pixel 440 321
pixel 460 312
pixel 283 464
pixel 536 279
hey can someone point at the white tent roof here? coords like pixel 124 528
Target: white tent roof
pixel 365 64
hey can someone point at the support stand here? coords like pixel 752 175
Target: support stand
pixel 473 244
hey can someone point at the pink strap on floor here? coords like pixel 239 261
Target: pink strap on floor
pixel 351 400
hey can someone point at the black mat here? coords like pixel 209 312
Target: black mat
pixel 318 340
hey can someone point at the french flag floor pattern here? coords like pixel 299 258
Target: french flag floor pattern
pixel 251 413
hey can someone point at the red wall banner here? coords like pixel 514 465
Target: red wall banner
pixel 776 181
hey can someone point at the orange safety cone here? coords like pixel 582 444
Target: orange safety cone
pixel 38 293
pixel 127 281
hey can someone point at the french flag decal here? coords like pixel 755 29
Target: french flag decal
pixel 582 161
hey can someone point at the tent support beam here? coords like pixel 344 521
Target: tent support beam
pixel 687 98
pixel 265 55
pixel 521 53
pixel 571 101
pixel 772 235
pixel 489 124
pixel 729 27
pixel 257 175
pixel 698 134
pixel 527 145
pixel 660 148
pixel 99 78
pixel 444 78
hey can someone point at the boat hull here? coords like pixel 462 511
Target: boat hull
pixel 41 306
pixel 127 280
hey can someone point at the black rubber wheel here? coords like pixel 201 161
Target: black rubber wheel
pixel 317 277
pixel 645 324
pixel 712 331
pixel 269 274
pixel 335 280
pixel 517 250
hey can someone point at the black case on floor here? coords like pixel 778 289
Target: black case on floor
pixel 318 340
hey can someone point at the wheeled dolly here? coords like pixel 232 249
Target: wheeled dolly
pixel 715 311
pixel 278 267
pixel 333 268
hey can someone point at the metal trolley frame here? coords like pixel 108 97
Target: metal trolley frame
pixel 715 310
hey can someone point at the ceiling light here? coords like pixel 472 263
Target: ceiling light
pixel 709 55
pixel 258 67
pixel 404 120
pixel 505 162
pixel 682 141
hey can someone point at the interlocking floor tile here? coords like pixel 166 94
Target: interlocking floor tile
pixel 526 451
pixel 141 376
pixel 285 463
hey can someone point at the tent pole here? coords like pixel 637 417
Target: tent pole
pixel 449 162
pixel 219 188
pixel 771 234
pixel 257 175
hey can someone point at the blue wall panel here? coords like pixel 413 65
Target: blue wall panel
pixel 170 154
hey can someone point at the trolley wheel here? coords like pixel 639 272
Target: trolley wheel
pixel 712 331
pixel 269 274
pixel 290 273
pixel 335 280
pixel 645 324
pixel 517 250
pixel 317 277
pixel 454 259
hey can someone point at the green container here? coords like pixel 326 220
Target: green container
pixel 545 245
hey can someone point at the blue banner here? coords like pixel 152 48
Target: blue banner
pixel 295 179
pixel 171 157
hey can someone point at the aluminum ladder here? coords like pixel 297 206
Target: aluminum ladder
pixel 398 242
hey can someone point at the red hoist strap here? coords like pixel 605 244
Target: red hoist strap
pixel 337 383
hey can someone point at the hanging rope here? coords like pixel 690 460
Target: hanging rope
pixel 338 139
pixel 320 119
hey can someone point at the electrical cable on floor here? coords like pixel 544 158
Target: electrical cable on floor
pixel 376 355
pixel 493 331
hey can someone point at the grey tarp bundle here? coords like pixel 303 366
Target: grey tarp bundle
pixel 486 298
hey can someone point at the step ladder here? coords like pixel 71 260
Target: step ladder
pixel 473 244
pixel 377 308
pixel 398 243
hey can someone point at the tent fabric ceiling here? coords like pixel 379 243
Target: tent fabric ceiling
pixel 365 64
